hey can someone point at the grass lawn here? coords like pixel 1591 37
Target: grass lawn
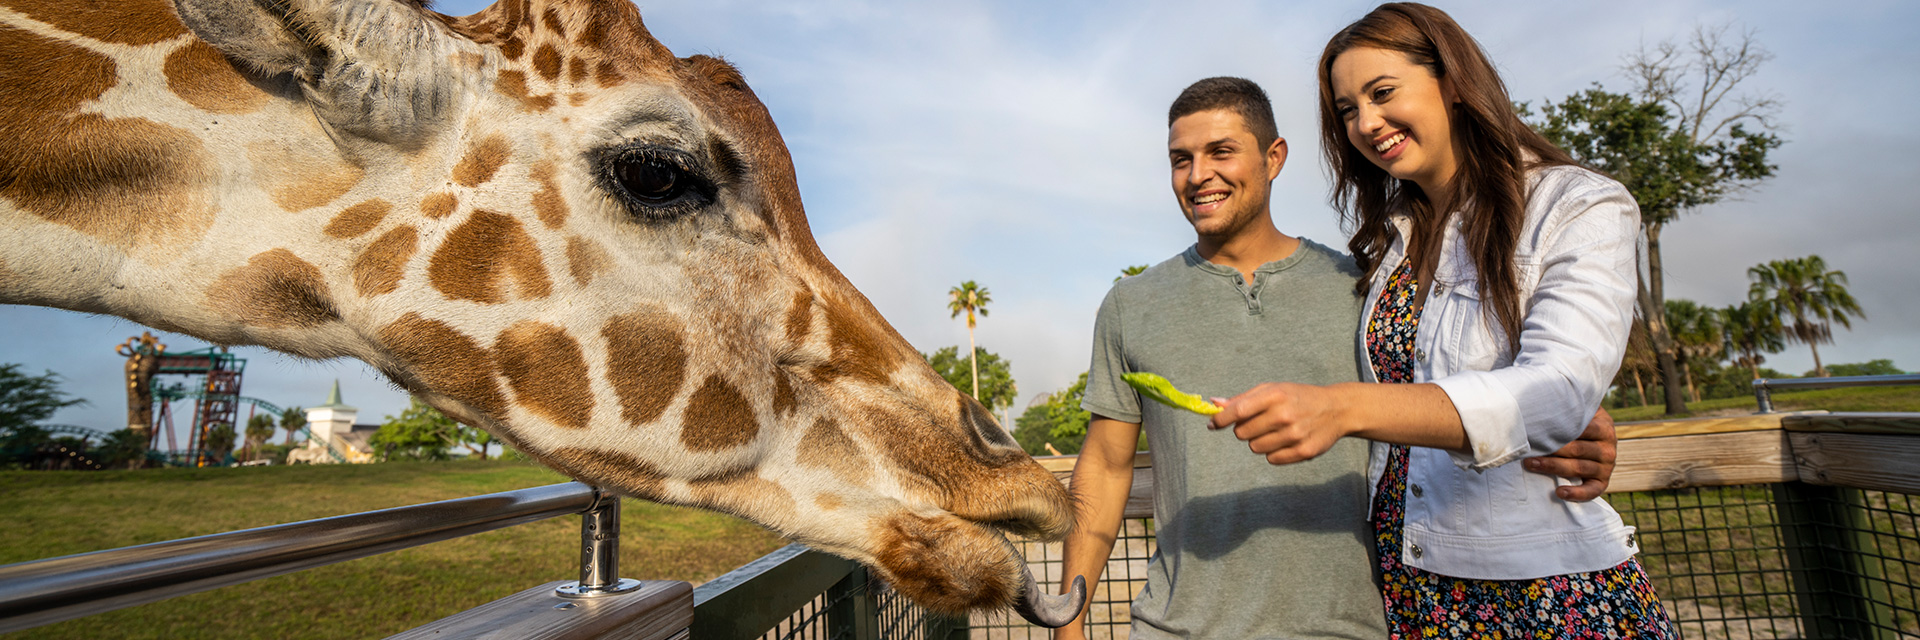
pixel 1849 399
pixel 51 514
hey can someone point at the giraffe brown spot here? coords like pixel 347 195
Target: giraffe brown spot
pixel 125 181
pixel 132 22
pixel 828 502
pixel 606 75
pixel 551 19
pixel 718 418
pixel 485 254
pixel 577 70
pixel 548 375
pixel 377 270
pixel 799 318
pixel 547 202
pixel 826 446
pixel 357 219
pixel 617 471
pixel 595 35
pixel 783 398
pixel 482 161
pixel 546 61
pixel 447 361
pixel 275 290
pixel 585 260
pixel 512 47
pixel 646 362
pixel 513 84
pixel 745 494
pixel 578 99
pixel 200 75
pixel 438 205
pixel 303 172
pixel 860 349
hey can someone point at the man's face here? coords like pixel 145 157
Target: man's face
pixel 1221 175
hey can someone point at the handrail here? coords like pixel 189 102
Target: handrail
pixel 1763 387
pixel 57 589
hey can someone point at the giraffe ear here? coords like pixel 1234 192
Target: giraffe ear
pixel 374 68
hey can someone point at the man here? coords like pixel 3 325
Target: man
pixel 1246 549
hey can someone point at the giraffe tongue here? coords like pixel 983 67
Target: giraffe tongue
pixel 1048 610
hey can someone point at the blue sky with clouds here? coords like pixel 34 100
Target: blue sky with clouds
pixel 1021 145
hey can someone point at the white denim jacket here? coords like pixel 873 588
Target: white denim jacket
pixel 1472 514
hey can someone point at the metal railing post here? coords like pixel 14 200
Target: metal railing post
pixel 599 551
pixel 1763 394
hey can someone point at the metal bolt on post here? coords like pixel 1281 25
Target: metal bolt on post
pixel 599 552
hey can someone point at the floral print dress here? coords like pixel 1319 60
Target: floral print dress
pixel 1611 603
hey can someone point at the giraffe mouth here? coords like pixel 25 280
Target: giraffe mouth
pixel 951 565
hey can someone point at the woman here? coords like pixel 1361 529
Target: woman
pixel 1500 282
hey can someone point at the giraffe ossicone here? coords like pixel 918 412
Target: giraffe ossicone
pixel 535 218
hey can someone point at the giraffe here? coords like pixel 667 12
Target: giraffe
pixel 535 218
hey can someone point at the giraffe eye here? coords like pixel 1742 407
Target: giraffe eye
pixel 652 181
pixel 657 182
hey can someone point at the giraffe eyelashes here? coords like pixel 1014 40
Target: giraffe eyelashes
pixel 658 183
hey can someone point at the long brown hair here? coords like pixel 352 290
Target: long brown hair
pixel 1490 186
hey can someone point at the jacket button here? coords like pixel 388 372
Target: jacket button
pixel 1418 492
pixel 1420 355
pixel 1417 551
pixel 1631 542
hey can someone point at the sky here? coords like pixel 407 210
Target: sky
pixel 1022 145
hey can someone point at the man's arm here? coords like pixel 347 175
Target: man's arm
pixel 1101 480
pixel 1588 461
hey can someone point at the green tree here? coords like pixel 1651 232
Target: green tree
pixel 1679 142
pixel 1056 419
pixel 1698 340
pixel 216 443
pixel 475 439
pixel 420 433
pixel 1813 298
pixel 1131 271
pixel 971 299
pixel 122 448
pixel 259 429
pixel 1881 367
pixel 27 400
pixel 1752 329
pixel 997 389
pixel 293 419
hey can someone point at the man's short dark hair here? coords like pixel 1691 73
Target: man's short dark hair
pixel 1238 95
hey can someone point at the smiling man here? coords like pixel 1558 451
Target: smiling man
pixel 1246 549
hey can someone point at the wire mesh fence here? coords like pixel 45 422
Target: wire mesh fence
pixel 1742 562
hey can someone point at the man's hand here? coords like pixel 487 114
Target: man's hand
pixel 1588 460
pixel 1283 421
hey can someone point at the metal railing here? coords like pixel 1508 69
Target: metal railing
pixel 53 590
pixel 1763 388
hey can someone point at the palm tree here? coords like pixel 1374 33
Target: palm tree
pixel 1753 328
pixel 259 429
pixel 1130 271
pixel 1696 335
pixel 971 299
pixel 1815 298
pixel 292 419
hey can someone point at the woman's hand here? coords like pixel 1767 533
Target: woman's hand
pixel 1283 421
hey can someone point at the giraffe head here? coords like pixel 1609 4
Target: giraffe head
pixel 536 218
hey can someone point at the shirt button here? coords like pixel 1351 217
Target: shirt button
pixel 1417 551
pixel 1418 492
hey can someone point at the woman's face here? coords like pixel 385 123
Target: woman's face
pixel 1396 113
